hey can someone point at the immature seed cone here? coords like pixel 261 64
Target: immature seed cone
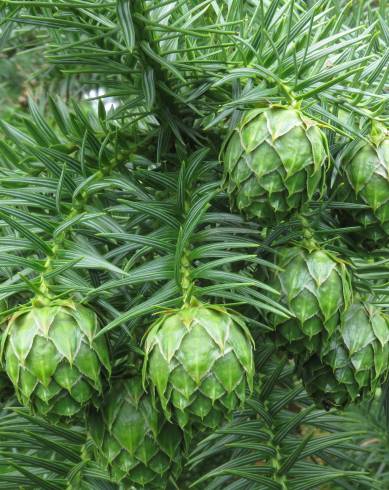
pixel 367 173
pixel 130 437
pixel 354 362
pixel 200 362
pixel 274 162
pixel 54 360
pixel 315 286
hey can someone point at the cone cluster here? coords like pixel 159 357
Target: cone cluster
pixel 198 364
pixel 339 342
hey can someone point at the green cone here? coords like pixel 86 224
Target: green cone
pixel 274 162
pixel 367 173
pixel 354 362
pixel 315 287
pixel 53 359
pixel 137 444
pixel 200 362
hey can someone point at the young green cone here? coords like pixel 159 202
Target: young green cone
pixel 130 437
pixel 367 173
pixel 315 286
pixel 274 162
pixel 200 362
pixel 54 360
pixel 354 362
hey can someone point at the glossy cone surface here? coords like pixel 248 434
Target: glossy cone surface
pixel 199 360
pixel 274 162
pixel 53 359
pixel 133 440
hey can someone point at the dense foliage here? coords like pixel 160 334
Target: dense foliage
pixel 193 244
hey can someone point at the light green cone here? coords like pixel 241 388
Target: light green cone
pixel 315 286
pixel 54 360
pixel 200 362
pixel 354 362
pixel 274 162
pixel 137 444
